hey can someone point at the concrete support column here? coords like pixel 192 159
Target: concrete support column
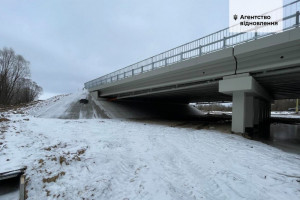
pixel 242 112
pixel 256 112
pixel 260 116
pixel 238 111
pixel 95 94
pixel 250 103
pixel 264 125
pixel 249 118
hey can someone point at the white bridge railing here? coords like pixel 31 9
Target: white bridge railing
pixel 214 42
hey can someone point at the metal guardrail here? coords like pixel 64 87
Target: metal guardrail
pixel 219 40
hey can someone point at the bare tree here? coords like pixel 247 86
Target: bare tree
pixel 283 105
pixel 28 91
pixel 14 78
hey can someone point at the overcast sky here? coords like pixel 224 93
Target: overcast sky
pixel 71 42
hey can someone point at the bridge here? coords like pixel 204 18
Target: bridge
pixel 251 69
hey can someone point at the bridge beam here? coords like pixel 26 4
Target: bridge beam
pixel 250 103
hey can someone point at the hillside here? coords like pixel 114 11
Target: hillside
pixel 121 159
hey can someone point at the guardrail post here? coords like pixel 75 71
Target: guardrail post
pixel 297 18
pixel 142 70
pixel 132 72
pixel 117 77
pixel 166 62
pixel 22 187
pixel 124 74
pixel 200 50
pixel 255 34
pixel 224 42
pixel 181 56
pixel 111 79
pixel 152 63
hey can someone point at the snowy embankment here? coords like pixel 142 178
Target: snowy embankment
pixel 277 114
pixel 284 114
pixel 67 107
pixel 56 107
pixel 115 159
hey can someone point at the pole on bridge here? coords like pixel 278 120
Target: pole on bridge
pixel 297 106
pixel 152 63
pixel 224 42
pixel 256 34
pixel 297 18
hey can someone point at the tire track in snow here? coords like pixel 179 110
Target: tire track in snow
pixel 169 160
pixel 207 186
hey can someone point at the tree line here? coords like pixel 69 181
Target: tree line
pixel 16 85
pixel 214 107
pixel 277 105
pixel 283 105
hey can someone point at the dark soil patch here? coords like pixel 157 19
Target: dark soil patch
pixel 4 119
pixel 54 178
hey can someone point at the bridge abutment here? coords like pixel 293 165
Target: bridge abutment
pixel 250 104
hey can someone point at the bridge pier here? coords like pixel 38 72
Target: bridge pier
pixel 250 104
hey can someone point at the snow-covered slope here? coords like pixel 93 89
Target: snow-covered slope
pixel 68 107
pixel 119 159
pixel 114 159
pixel 58 106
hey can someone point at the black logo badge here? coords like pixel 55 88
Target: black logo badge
pixel 235 17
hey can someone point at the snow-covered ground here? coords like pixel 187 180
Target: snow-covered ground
pixel 284 114
pixel 278 114
pixel 121 159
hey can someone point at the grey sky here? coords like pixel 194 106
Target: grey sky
pixel 71 42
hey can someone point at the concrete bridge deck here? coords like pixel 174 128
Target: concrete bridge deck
pixel 249 69
pixel 269 60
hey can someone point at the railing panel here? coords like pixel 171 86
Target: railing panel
pixel 205 45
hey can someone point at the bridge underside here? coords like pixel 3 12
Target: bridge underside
pixel 251 75
pixel 280 84
pixel 251 106
pixel 208 92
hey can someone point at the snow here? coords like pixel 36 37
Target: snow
pixel 57 106
pixel 219 112
pixel 10 196
pixel 277 114
pixel 122 159
pixel 284 114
